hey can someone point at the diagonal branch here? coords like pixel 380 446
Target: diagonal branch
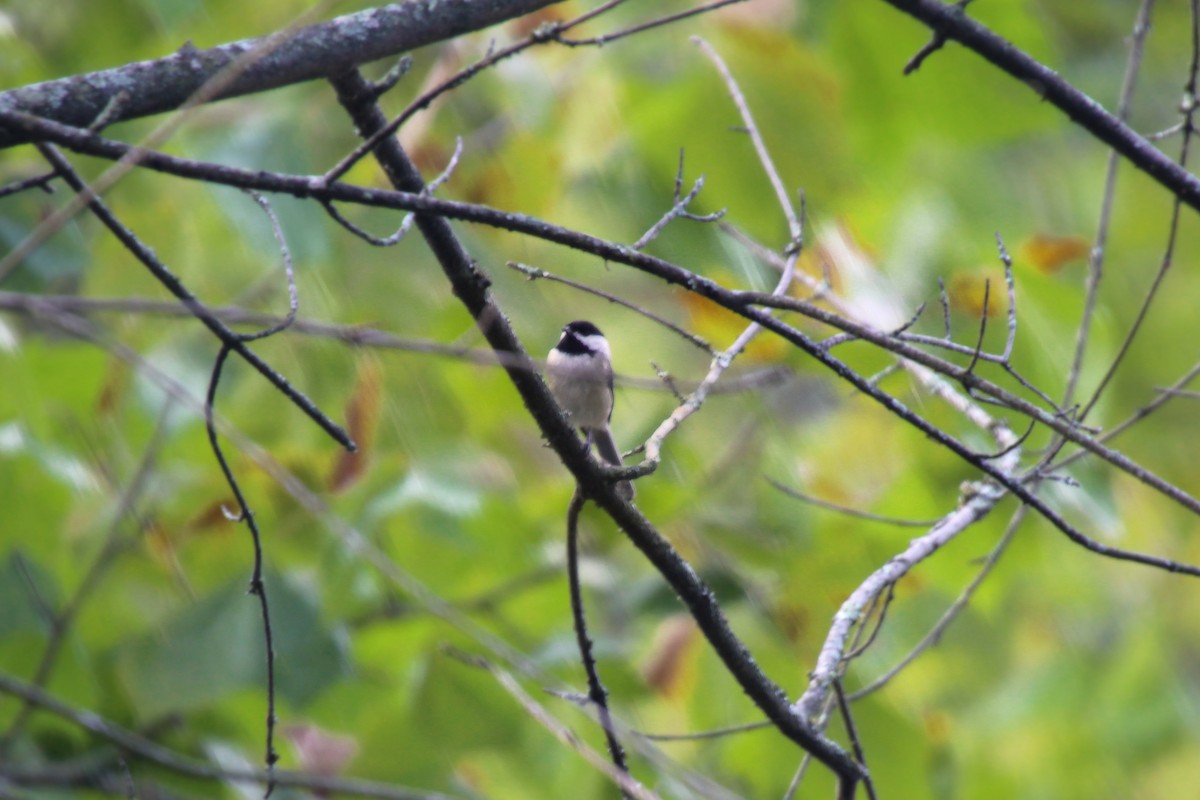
pixel 229 339
pixel 312 52
pixel 948 21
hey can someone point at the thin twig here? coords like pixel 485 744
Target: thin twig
pixel 935 43
pixel 164 276
pixel 608 38
pixel 983 318
pixel 288 272
pixel 862 640
pixel 678 209
pixel 597 694
pixel 172 761
pixel 629 787
pixel 257 586
pixel 534 273
pixel 407 222
pixel 855 743
pixel 42 182
pixel 1095 270
pixel 716 733
pixel 851 512
pixel 782 197
pixel 1189 108
pixel 393 76
pixel 935 633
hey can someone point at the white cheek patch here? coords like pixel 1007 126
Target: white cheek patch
pixel 597 344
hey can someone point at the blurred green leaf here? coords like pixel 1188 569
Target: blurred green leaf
pixel 214 647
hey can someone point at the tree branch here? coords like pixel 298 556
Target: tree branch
pixel 949 22
pixel 316 51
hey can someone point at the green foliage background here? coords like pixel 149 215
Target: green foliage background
pixel 1068 676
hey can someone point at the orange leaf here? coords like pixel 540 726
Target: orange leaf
pixel 1049 254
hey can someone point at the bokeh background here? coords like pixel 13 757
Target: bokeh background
pixel 1068 676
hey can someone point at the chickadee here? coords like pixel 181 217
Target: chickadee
pixel 579 371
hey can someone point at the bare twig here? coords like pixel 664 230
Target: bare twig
pixel 935 633
pixel 1189 109
pixel 716 733
pixel 257 586
pixel 679 209
pixel 42 182
pixel 1095 273
pixel 533 273
pixel 244 513
pixel 597 694
pixel 852 512
pixel 160 271
pixel 608 38
pixel 629 787
pixel 937 42
pixel 144 749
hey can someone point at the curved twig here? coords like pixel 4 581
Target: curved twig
pixel 597 694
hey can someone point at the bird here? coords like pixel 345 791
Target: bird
pixel 579 371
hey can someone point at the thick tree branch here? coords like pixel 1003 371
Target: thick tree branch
pixel 317 51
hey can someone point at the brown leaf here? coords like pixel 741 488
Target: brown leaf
pixel 362 421
pixel 319 752
pixel 112 391
pixel 665 670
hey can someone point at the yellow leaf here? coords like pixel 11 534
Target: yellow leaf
pixel 967 290
pixel 721 327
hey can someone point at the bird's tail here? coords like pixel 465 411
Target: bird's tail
pixel 607 448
